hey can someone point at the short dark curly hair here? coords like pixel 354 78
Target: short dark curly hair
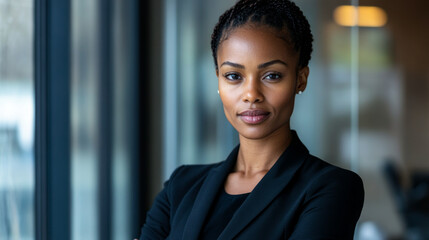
pixel 280 14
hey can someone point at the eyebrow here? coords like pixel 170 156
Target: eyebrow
pixel 236 65
pixel 262 65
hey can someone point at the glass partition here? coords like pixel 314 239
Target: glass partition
pixel 16 120
pixel 104 106
pixel 84 119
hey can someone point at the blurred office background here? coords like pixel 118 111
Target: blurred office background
pixel 101 100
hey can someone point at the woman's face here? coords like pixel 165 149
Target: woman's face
pixel 258 79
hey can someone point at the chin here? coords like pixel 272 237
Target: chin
pixel 254 133
pixel 263 131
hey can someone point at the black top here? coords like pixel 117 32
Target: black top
pixel 221 213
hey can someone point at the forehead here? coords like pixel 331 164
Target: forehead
pixel 257 43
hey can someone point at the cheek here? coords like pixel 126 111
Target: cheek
pixel 283 101
pixel 228 96
pixel 228 103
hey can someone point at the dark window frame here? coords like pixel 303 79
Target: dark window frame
pixel 52 74
pixel 52 137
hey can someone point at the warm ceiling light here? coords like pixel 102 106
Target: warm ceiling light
pixel 362 16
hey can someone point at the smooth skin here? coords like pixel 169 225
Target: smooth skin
pixel 258 69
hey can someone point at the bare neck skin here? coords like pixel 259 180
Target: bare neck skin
pixel 257 156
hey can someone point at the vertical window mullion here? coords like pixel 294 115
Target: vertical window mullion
pixel 105 106
pixel 52 152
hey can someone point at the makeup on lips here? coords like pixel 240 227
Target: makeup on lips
pixel 254 116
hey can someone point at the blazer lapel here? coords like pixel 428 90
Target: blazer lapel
pixel 268 188
pixel 206 196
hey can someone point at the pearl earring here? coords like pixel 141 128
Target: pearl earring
pixel 218 91
pixel 300 92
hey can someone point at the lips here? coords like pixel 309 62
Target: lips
pixel 254 116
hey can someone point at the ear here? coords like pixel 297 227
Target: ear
pixel 302 79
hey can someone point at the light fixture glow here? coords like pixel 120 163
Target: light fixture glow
pixel 362 16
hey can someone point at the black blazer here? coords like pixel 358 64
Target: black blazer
pixel 301 197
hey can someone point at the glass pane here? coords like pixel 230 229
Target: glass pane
pixel 322 113
pixel 16 120
pixel 394 121
pixel 201 134
pixel 125 100
pixel 84 114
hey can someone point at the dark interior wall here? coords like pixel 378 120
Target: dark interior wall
pixel 408 21
pixel 407 24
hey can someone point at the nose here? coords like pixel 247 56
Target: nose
pixel 252 91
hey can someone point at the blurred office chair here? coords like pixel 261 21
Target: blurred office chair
pixel 412 203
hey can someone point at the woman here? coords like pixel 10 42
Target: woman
pixel 269 187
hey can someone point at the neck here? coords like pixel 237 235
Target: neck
pixel 259 155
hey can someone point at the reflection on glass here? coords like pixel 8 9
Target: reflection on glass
pixel 367 16
pixel 16 120
pixel 84 118
pixel 87 84
pixel 203 133
pixel 125 102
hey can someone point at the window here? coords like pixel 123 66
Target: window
pixel 17 117
pixel 86 119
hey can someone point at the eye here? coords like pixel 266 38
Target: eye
pixel 272 76
pixel 232 76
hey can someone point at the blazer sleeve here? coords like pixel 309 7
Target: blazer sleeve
pixel 157 224
pixel 332 207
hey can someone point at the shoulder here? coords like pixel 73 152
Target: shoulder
pixel 328 180
pixel 186 176
pixel 192 171
pixel 331 201
pixel 319 170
